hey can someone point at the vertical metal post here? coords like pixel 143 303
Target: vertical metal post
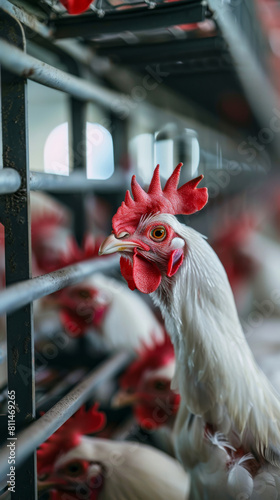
pixel 79 152
pixel 77 148
pixel 15 214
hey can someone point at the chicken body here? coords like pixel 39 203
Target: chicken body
pixel 111 470
pixel 129 321
pixel 228 427
pixel 228 407
pixel 102 304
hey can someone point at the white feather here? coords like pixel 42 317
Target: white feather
pixel 264 487
pixel 133 471
pixel 129 321
pixel 216 374
pixel 240 481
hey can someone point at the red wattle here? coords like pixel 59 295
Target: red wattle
pixel 142 274
pixel 127 272
pixel 175 260
pixel 146 274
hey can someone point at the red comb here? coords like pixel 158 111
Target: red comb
pixel 185 200
pixel 149 358
pixel 69 435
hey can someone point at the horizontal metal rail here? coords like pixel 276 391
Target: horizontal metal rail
pixel 10 180
pixel 77 181
pixel 38 432
pixel 20 294
pixel 18 62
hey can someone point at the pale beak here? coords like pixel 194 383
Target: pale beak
pixel 123 398
pixel 113 244
pixel 44 486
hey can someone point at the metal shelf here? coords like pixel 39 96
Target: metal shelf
pixel 40 430
pixel 162 16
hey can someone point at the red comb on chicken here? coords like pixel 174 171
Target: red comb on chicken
pixel 146 385
pixel 227 429
pixel 185 200
pixel 141 271
pixel 69 479
pixel 69 435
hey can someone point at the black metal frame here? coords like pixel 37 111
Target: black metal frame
pixel 89 25
pixel 16 299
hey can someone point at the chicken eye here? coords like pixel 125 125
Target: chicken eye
pixel 158 233
pixel 73 469
pixel 160 385
pixel 43 477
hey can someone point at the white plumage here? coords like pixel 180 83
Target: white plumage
pixel 129 321
pixel 132 471
pixel 218 379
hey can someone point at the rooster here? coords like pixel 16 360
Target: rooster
pixel 73 466
pixel 228 426
pixel 146 385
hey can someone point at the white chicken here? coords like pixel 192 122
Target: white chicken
pixel 73 466
pixel 228 426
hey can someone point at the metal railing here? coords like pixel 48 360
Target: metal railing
pixel 77 181
pixel 16 299
pixel 36 433
pixel 21 294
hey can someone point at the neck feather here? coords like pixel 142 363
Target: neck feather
pixel 216 374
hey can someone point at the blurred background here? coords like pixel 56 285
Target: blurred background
pixel 120 87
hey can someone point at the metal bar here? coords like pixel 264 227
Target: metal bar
pixel 30 21
pixel 10 180
pixel 16 218
pixel 36 433
pixel 163 52
pixel 142 19
pixel 76 182
pixel 18 62
pixel 20 294
pixel 119 104
pixel 79 153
